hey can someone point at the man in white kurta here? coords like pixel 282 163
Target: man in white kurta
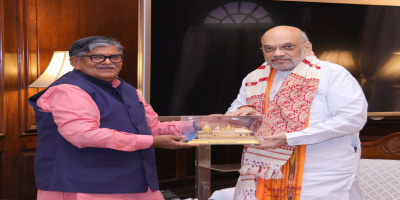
pixel 338 112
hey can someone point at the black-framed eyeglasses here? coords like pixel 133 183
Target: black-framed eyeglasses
pixel 117 58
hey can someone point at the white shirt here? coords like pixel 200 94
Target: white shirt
pixel 338 113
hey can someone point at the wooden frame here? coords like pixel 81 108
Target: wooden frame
pixel 387 147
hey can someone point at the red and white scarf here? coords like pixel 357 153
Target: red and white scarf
pixel 287 112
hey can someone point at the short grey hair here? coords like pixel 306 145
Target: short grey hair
pixel 86 45
pixel 303 37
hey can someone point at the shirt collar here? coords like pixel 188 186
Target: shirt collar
pixel 115 83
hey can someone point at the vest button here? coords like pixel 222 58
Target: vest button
pixel 144 158
pixel 129 107
pixel 135 123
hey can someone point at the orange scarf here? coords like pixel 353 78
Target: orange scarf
pixel 289 187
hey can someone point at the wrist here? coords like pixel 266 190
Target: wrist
pixel 154 142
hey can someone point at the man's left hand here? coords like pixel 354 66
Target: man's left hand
pixel 247 110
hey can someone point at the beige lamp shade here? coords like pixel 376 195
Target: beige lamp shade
pixel 343 58
pixel 391 70
pixel 59 65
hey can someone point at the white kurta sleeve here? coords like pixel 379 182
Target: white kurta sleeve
pixel 339 108
pixel 241 98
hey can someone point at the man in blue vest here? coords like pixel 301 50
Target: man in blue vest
pixel 96 133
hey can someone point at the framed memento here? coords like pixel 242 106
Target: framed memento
pixel 221 129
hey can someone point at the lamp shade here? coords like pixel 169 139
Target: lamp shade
pixel 343 58
pixel 391 70
pixel 59 65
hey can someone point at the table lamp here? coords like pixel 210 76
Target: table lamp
pixel 59 65
pixel 343 58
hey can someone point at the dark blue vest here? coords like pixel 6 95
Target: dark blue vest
pixel 61 166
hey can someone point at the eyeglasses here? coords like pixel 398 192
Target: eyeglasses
pixel 101 58
pixel 286 47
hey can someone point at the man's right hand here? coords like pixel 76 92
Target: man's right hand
pixel 247 110
pixel 170 142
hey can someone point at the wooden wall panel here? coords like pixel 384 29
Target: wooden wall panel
pixel 11 62
pixel 1 69
pixel 27 178
pixel 61 22
pixel 1 169
pixel 2 139
pixel 30 52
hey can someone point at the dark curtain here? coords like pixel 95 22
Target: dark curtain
pixel 213 63
pixel 381 38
